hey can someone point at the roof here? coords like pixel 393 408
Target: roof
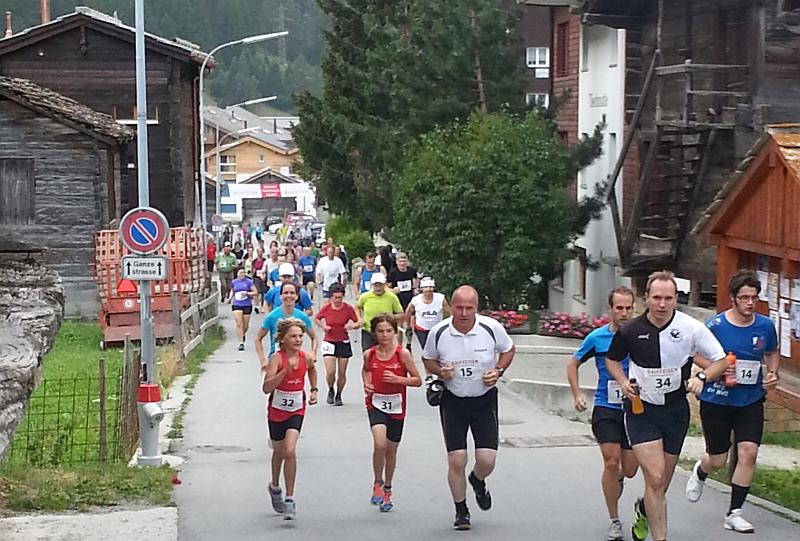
pixel 268 172
pixel 251 138
pixel 177 47
pixel 64 109
pixel 233 119
pixel 15 247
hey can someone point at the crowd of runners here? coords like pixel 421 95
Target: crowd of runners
pixel 640 416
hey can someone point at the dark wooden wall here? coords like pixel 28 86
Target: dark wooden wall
pixel 536 30
pixel 98 70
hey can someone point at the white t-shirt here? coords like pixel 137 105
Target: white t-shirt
pixel 330 269
pixel 428 315
pixel 472 354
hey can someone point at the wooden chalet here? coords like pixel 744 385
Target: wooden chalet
pixel 703 79
pixel 61 172
pixel 755 223
pixel 90 57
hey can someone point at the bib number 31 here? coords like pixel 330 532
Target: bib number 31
pixel 388 403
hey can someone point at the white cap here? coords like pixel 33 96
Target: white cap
pixel 286 269
pixel 378 278
pixel 427 282
pixel 227 243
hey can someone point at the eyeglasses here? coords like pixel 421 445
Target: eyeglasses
pixel 746 298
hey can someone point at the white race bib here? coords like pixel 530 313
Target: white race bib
pixel 367 285
pixel 240 295
pixel 328 348
pixel 308 268
pixel 747 372
pixel 290 401
pixel 660 381
pixel 468 370
pixel 404 285
pixel 388 403
pixel 614 392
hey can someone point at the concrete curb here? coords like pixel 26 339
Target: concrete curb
pixel 544 350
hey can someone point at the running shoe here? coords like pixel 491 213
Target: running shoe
pixel 734 521
pixel 377 493
pixel 462 521
pixel 694 486
pixel 615 531
pixel 482 495
pixel 241 346
pixel 330 396
pixel 291 509
pixel 386 503
pixel 338 401
pixel 640 528
pixel 277 500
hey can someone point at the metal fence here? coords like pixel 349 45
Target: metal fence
pixel 81 420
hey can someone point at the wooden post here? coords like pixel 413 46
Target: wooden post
pixel 694 293
pixel 177 331
pixel 196 316
pixel 101 384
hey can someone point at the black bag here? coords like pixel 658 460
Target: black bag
pixel 434 391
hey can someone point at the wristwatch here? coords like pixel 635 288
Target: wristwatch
pixel 500 372
pixel 701 376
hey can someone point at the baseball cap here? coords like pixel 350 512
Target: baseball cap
pixel 378 278
pixel 286 269
pixel 227 243
pixel 427 282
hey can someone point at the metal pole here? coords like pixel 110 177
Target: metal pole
pixel 150 456
pixel 219 186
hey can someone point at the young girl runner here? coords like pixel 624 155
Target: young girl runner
pixel 283 381
pixel 388 370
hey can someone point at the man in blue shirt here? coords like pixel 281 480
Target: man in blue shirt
pixel 607 416
pixel 737 410
pixel 273 296
pixel 308 265
pixel 286 310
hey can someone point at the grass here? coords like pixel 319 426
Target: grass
pixel 784 439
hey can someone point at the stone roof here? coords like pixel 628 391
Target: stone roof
pixel 61 108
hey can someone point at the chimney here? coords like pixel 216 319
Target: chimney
pixel 9 32
pixel 45 9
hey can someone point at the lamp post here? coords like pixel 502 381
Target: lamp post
pixel 243 41
pixel 252 102
pixel 219 166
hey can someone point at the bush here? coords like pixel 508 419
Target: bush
pixel 339 227
pixel 357 243
pixel 569 326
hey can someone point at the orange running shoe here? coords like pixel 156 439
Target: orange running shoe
pixel 377 493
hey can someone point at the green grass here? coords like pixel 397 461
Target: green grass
pixel 784 439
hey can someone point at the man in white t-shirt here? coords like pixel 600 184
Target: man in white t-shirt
pixel 330 270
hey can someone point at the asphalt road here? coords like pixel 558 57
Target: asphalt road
pixel 546 485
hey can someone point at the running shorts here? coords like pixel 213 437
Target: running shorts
pixel 341 350
pixel 668 423
pixel 477 414
pixel 608 426
pixel 246 309
pixel 422 336
pixel 746 423
pixel 277 430
pixel 394 427
pixel 367 340
pixel 307 280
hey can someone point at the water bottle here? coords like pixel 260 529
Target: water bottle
pixel 730 370
pixel 637 406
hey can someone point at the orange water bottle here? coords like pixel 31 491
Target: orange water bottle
pixel 730 370
pixel 637 406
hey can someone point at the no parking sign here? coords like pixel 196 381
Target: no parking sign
pixel 143 230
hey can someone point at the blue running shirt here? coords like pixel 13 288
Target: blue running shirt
pixel 596 345
pixel 749 345
pixel 308 264
pixel 270 324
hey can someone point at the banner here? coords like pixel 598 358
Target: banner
pixel 271 190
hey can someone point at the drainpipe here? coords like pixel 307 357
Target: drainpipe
pixel 45 10
pixel 9 32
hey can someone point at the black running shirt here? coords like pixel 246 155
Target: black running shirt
pixel 660 359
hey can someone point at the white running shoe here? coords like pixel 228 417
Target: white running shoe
pixel 734 521
pixel 615 531
pixel 277 500
pixel 290 510
pixel 694 486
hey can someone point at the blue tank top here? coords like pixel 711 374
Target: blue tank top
pixel 366 278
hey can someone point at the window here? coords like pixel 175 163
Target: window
pixel 562 49
pixel 260 158
pixel 612 154
pixel 584 49
pixel 126 114
pixel 582 270
pixel 227 163
pixel 17 191
pixel 538 57
pixel 542 100
pixel 558 281
pixel 227 208
pixel 614 50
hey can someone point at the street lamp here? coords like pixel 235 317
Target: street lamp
pixel 219 166
pixel 243 41
pixel 252 102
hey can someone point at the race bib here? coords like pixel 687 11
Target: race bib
pixel 660 381
pixel 747 372
pixel 614 392
pixel 328 348
pixel 240 295
pixel 308 268
pixel 367 285
pixel 468 370
pixel 388 403
pixel 290 401
pixel 404 285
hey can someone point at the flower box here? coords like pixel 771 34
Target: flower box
pixel 569 325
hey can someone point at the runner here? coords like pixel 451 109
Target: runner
pixel 736 413
pixel 243 293
pixel 273 296
pixel 336 318
pixel 226 263
pixel 362 277
pixel 329 271
pixel 283 382
pixel 286 309
pixel 378 301
pixel 271 264
pixel 308 263
pixel 608 424
pixel 426 310
pixel 660 344
pixel 404 282
pixel 462 352
pixel 388 369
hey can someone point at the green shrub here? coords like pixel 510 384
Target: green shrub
pixel 357 243
pixel 339 227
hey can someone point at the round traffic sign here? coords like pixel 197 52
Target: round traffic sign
pixel 143 230
pixel 216 219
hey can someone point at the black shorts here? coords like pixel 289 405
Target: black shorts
pixel 308 280
pixel 746 423
pixel 246 309
pixel 422 336
pixel 210 264
pixel 608 426
pixel 261 286
pixel 668 423
pixel 277 430
pixel 461 414
pixel 394 427
pixel 367 340
pixel 341 350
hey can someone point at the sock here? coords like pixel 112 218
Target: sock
pixel 289 498
pixel 387 488
pixel 461 507
pixel 701 474
pixel 738 494
pixel 479 484
pixel 641 507
pixel 615 519
pixel 274 489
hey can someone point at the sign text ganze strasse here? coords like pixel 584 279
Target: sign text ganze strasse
pixel 144 267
